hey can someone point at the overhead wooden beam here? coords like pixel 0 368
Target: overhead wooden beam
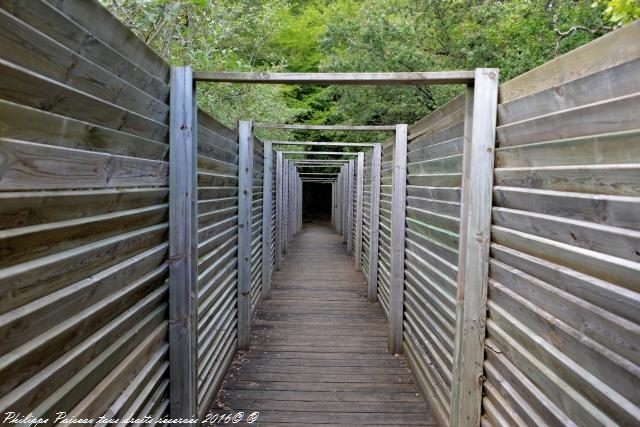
pixel 323 144
pixel 266 220
pixel 317 173
pixel 359 211
pixel 245 204
pixel 329 79
pixel 336 162
pixel 183 245
pixel 374 223
pixel 354 128
pixel 315 165
pixel 316 153
pixel 398 210
pixel 474 241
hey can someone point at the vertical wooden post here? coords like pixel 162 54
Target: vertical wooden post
pixel 279 203
pixel 339 204
pixel 266 220
pixel 300 199
pixel 350 208
pixel 345 197
pixel 359 208
pixel 374 223
pixel 297 207
pixel 292 203
pixel 183 245
pixel 473 262
pixel 285 205
pixel 294 207
pixel 245 204
pixel 398 209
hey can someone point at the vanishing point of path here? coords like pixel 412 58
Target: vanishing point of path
pixel 318 348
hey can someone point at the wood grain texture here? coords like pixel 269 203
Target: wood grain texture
pixel 73 36
pixel 266 220
pixel 30 166
pixel 279 209
pixel 24 123
pixel 359 210
pixel 318 348
pixel 398 210
pixel 93 17
pixel 26 87
pixel 183 244
pixel 245 218
pixel 349 202
pixel 407 78
pixel 26 47
pixel 285 205
pixel 610 50
pixel 321 143
pixel 477 183
pixel 372 292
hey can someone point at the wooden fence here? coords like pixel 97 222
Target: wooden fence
pixel 434 178
pixel 217 324
pixel 97 232
pixel 562 327
pixel 384 230
pixel 83 214
pixel 366 214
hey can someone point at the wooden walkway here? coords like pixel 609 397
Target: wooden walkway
pixel 318 349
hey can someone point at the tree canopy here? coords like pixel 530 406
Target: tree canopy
pixel 351 35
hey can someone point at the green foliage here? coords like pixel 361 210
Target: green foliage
pixel 215 36
pixel 620 11
pixel 352 35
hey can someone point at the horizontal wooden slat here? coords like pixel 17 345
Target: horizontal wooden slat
pixel 25 243
pixel 91 16
pixel 23 283
pixel 610 115
pixel 617 180
pixel 27 208
pixel 35 125
pixel 67 32
pixel 31 166
pixel 585 90
pixel 618 211
pixel 613 148
pixel 615 48
pixel 26 47
pixel 26 87
pixel 606 239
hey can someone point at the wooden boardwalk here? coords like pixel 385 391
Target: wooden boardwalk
pixel 318 348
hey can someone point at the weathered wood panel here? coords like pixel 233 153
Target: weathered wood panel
pixel 217 257
pixel 84 178
pixel 384 258
pixel 562 328
pixel 434 169
pixel 474 240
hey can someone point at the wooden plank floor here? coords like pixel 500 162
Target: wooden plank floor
pixel 318 349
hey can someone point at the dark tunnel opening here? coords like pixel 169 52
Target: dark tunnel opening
pixel 316 202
